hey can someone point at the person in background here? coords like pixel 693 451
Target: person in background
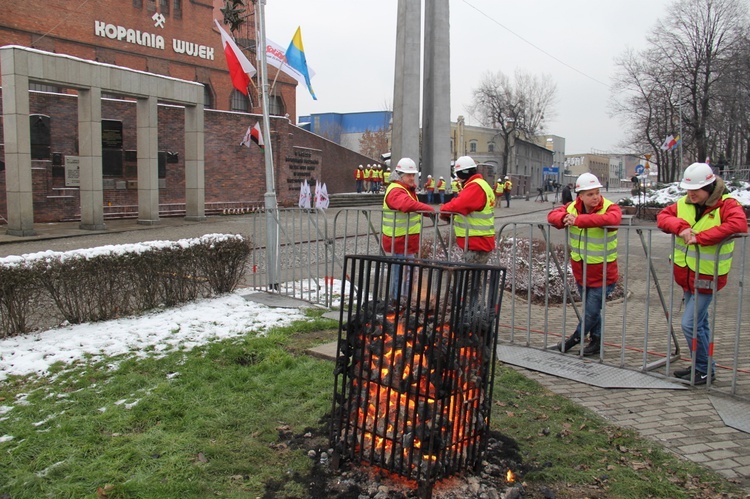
pixel 441 189
pixel 700 221
pixel 591 244
pixel 508 188
pixel 475 229
pixel 455 186
pixel 402 225
pixel 567 195
pixel 429 187
pixel 359 176
pixel 499 189
pixel 375 188
pixel 367 178
pixel 387 177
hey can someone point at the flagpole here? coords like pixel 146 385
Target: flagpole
pixel 270 196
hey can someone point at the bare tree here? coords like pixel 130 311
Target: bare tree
pixel 517 109
pixel 374 143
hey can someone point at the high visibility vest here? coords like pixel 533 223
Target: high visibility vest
pixel 368 174
pixel 710 256
pixel 592 243
pixel 441 185
pixel 397 223
pixel 430 184
pixel 455 185
pixel 359 174
pixel 378 175
pixel 387 177
pixel 499 188
pixel 508 185
pixel 478 223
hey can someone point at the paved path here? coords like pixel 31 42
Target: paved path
pixel 684 421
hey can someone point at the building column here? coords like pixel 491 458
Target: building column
pixel 405 132
pixel 90 157
pixel 147 144
pixel 195 184
pixel 436 108
pixel 17 139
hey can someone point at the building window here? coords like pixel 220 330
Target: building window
pixel 473 146
pixel 138 4
pixel 164 6
pixel 40 87
pixel 177 11
pixel 275 106
pixel 452 150
pixel 151 5
pixel 208 97
pixel 491 147
pixel 41 136
pixel 239 102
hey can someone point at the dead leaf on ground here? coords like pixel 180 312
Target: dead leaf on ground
pixel 201 458
pixel 103 491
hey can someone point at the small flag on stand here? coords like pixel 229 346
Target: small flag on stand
pixel 304 195
pixel 321 196
pixel 253 134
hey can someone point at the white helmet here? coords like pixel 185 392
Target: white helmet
pixel 406 165
pixel 587 181
pixel 464 163
pixel 696 176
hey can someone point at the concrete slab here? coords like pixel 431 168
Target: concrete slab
pixel 333 315
pixel 275 300
pixel 326 351
pixel 734 413
pixel 581 370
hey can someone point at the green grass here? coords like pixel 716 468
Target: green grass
pixel 207 423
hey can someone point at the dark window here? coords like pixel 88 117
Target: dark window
pixel 41 87
pixel 138 4
pixel 164 6
pixel 177 13
pixel 239 102
pixel 491 147
pixel 151 5
pixel 275 105
pixel 208 97
pixel 40 136
pixel 112 153
pixel 162 157
pixel 472 146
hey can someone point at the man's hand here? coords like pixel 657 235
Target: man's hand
pixel 688 236
pixel 569 219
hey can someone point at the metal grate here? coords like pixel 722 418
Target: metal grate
pixel 415 364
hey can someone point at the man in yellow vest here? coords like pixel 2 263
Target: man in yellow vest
pixel 367 178
pixel 455 186
pixel 499 190
pixel 441 189
pixel 700 221
pixel 593 254
pixel 429 187
pixel 475 228
pixel 387 177
pixel 402 224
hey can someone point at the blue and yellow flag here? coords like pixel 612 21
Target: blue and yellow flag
pixel 295 58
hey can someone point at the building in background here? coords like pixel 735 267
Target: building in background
pixel 368 132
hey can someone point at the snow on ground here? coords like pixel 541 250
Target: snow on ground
pixel 155 333
pixel 671 193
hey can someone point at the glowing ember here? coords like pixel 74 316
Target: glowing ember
pixel 510 477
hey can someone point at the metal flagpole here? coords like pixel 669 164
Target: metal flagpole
pixel 272 240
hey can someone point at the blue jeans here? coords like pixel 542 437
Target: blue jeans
pixel 397 284
pixel 359 185
pixel 442 197
pixel 592 311
pixel 700 301
pixel 430 196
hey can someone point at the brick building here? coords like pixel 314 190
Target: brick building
pixel 175 38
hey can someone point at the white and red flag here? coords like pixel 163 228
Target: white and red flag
pixel 253 134
pixel 240 68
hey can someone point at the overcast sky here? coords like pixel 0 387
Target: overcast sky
pixel 350 45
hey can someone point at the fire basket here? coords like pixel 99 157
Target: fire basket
pixel 415 365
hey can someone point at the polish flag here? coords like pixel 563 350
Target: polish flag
pixel 240 69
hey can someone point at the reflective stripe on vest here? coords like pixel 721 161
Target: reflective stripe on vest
pixel 395 223
pixel 478 223
pixel 710 256
pixel 593 243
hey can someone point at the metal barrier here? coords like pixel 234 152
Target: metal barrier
pixel 542 304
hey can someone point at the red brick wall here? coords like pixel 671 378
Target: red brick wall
pixel 67 27
pixel 233 173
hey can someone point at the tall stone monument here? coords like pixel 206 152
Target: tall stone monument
pixel 435 152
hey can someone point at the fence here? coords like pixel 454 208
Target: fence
pixel 640 324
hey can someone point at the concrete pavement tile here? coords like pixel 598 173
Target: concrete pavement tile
pixel 743 460
pixel 724 444
pixel 697 458
pixel 694 448
pixel 722 454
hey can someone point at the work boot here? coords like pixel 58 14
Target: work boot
pixel 592 348
pixel 566 345
pixel 683 373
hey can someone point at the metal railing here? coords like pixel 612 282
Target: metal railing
pixel 542 303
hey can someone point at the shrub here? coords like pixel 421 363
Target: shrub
pixel 111 281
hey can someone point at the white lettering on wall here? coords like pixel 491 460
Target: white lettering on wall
pixel 151 40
